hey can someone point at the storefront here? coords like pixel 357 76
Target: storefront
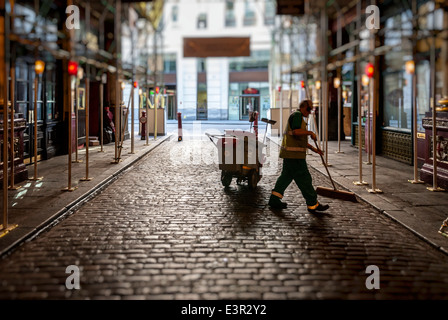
pixel 49 100
pixel 39 33
pixel 400 52
pixel 246 97
pixel 395 118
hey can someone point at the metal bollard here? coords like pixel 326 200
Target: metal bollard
pixel 256 125
pixel 179 126
pixel 143 122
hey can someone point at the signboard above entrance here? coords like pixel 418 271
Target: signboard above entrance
pixel 250 91
pixel 291 7
pixel 217 47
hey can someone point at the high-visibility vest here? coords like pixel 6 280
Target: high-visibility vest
pixel 294 147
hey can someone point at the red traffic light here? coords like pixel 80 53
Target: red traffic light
pixel 369 70
pixel 135 84
pixel 302 84
pixel 72 68
pixel 157 90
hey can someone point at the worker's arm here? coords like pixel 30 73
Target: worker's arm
pixel 314 149
pixel 295 123
pixel 303 132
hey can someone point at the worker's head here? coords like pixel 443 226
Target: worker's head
pixel 305 107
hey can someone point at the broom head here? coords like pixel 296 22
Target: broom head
pixel 336 194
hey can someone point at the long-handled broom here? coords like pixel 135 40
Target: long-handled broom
pixel 333 193
pixel 328 192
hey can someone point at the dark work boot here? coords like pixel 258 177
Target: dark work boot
pixel 318 208
pixel 276 203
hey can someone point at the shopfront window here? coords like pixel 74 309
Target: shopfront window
pixel 22 89
pixel 397 100
pixel 423 92
pixel 234 101
pixel 40 102
pixel 431 17
pixel 397 85
pixel 397 88
pixel 50 88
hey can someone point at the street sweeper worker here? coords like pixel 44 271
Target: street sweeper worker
pixel 293 151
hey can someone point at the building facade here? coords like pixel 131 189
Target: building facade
pixel 388 58
pixel 217 88
pixel 87 33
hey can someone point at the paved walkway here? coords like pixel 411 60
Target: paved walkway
pixel 167 229
pixel 37 204
pixel 175 233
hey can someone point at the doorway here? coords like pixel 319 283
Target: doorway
pixel 170 104
pixel 24 104
pixel 248 104
pixel 201 113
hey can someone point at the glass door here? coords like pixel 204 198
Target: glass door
pixel 201 113
pixel 170 104
pixel 25 105
pixel 249 104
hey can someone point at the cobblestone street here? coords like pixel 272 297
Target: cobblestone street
pixel 168 229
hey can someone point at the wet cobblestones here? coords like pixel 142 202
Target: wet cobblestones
pixel 167 230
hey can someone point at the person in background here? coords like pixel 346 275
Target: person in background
pixel 250 111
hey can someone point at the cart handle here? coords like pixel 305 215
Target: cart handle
pixel 211 136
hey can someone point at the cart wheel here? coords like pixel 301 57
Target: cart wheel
pixel 253 180
pixel 226 179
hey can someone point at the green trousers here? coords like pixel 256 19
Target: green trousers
pixel 297 170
